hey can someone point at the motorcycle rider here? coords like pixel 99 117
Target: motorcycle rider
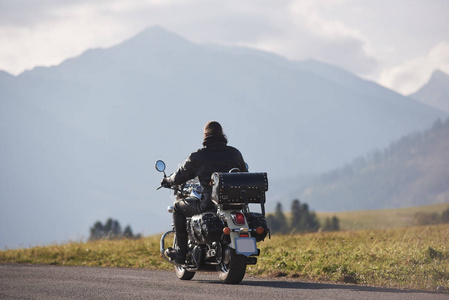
pixel 215 156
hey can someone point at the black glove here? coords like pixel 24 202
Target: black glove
pixel 165 182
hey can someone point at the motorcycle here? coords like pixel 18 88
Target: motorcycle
pixel 224 239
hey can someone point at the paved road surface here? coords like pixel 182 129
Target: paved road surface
pixel 55 282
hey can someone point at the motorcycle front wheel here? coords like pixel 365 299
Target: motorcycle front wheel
pixel 233 267
pixel 181 272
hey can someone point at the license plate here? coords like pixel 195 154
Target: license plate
pixel 245 246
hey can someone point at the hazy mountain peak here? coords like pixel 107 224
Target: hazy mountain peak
pixel 438 76
pixel 131 54
pixel 153 37
pixel 156 32
pixel 435 92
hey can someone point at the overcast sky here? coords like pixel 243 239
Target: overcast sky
pixel 397 43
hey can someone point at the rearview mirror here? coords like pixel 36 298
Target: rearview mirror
pixel 160 166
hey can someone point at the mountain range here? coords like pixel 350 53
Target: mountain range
pixel 79 140
pixel 412 171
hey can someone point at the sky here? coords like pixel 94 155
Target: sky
pixel 397 44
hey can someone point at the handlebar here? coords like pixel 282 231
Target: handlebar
pixel 185 190
pixel 174 187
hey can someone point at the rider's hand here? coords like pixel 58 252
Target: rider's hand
pixel 165 182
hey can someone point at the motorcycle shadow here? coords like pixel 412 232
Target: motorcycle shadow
pixel 299 285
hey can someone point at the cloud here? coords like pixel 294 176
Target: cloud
pixel 331 40
pixel 49 31
pixel 409 76
pixel 55 32
pixel 376 40
pixel 298 30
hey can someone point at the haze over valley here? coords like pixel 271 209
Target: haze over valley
pixel 79 140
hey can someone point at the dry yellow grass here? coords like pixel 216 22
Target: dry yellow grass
pixel 415 258
pixel 381 219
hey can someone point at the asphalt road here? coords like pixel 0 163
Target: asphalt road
pixel 55 282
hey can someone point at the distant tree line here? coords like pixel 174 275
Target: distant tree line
pixel 331 224
pixel 302 220
pixel 433 218
pixel 111 230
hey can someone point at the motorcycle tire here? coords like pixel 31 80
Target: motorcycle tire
pixel 233 267
pixel 181 272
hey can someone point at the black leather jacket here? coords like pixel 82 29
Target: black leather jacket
pixel 216 156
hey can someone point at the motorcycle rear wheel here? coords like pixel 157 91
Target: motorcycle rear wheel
pixel 232 268
pixel 181 272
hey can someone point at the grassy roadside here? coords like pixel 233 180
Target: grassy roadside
pixel 384 218
pixel 415 258
pixel 125 253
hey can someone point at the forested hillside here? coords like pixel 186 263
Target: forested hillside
pixel 410 172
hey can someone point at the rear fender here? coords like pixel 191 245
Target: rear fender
pixel 235 229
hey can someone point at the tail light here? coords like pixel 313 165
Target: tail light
pixel 238 218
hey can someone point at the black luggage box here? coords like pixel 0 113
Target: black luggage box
pixel 241 187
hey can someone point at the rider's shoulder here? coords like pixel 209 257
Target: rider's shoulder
pixel 196 153
pixel 235 150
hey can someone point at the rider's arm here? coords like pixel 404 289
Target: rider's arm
pixel 184 173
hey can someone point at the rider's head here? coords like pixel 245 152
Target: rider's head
pixel 213 129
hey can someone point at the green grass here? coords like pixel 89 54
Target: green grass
pixel 126 253
pixel 402 258
pixel 380 219
pixel 414 258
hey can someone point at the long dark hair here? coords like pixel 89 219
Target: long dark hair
pixel 213 131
